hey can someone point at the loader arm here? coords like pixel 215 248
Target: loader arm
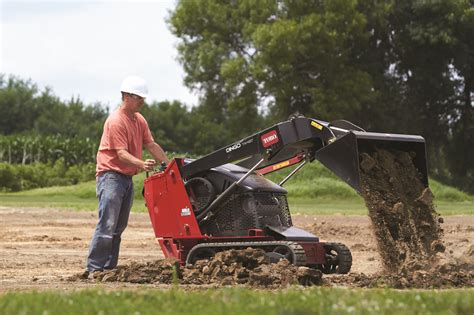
pixel 275 144
pixel 336 145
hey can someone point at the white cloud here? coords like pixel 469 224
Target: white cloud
pixel 86 48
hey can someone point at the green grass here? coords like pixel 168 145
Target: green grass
pixel 447 193
pixel 297 206
pixel 78 197
pixel 312 191
pixel 357 207
pixel 241 301
pixel 327 207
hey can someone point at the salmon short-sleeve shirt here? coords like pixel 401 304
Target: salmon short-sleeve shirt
pixel 122 132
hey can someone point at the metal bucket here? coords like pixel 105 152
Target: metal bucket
pixel 342 155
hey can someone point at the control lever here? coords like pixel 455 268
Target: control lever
pixel 155 170
pixel 163 166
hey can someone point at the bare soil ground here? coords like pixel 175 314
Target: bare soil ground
pixel 41 248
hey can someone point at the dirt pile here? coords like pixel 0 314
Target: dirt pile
pixel 406 225
pixel 444 273
pixel 420 279
pixel 160 271
pixel 466 261
pixel 247 267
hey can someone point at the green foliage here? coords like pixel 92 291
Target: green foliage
pixel 259 54
pixel 17 108
pixel 24 177
pixel 295 300
pixel 23 108
pixel 138 181
pixel 321 188
pixel 9 178
pixel 178 129
pixel 314 181
pixel 448 193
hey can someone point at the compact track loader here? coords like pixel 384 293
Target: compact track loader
pixel 203 206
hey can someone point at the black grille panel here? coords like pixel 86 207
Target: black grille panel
pixel 250 211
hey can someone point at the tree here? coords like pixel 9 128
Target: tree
pixel 430 45
pixel 25 109
pixel 249 57
pixel 183 130
pixel 17 107
pixel 461 145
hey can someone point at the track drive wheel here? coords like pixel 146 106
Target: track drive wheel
pixel 281 252
pixel 338 259
pixel 199 254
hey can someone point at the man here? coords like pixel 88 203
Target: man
pixel 118 159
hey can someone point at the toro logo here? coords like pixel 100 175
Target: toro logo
pixel 269 138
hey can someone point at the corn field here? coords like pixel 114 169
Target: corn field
pixel 26 149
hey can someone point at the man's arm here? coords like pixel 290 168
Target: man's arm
pixel 129 159
pixel 157 152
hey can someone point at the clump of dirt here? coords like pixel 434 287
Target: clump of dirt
pixel 421 279
pixel 246 267
pixel 406 225
pixel 444 273
pixel 249 266
pixel 466 261
pixel 160 271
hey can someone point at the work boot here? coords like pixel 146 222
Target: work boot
pixel 94 275
pixel 84 275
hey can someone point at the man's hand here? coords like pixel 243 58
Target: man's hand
pixel 149 165
pixel 157 152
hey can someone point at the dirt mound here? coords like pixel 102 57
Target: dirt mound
pixel 251 267
pixel 406 225
pixel 466 261
pixel 441 273
pixel 421 279
pixel 160 271
pixel 248 266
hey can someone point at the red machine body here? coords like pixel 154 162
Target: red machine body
pixel 175 225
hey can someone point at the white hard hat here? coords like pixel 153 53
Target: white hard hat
pixel 134 85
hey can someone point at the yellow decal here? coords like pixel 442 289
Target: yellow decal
pixel 280 165
pixel 316 125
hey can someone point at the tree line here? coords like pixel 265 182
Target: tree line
pixel 37 126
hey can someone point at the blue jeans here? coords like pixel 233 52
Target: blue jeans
pixel 115 193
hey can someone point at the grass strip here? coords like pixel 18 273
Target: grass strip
pixel 322 206
pixel 241 301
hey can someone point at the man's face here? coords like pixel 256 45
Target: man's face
pixel 136 101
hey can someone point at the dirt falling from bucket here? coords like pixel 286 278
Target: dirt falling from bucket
pixel 405 223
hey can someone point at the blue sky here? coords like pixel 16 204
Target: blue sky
pixel 85 48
